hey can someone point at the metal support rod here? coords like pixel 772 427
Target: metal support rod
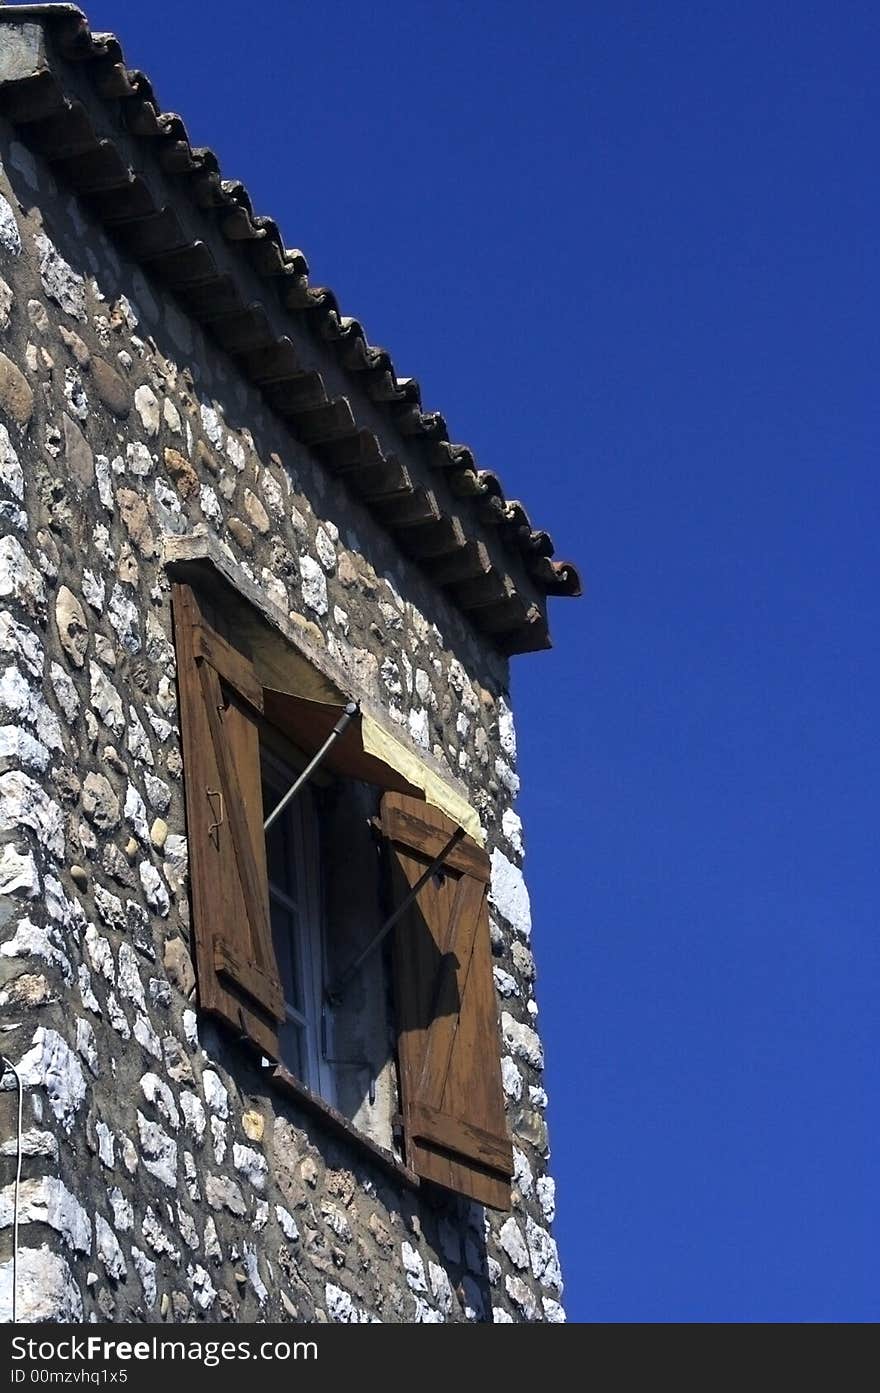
pixel 336 989
pixel 341 725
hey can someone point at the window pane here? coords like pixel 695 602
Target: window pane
pixel 286 952
pixel 290 1044
pixel 280 851
pixel 290 853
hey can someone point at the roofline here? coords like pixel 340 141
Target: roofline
pixel 445 540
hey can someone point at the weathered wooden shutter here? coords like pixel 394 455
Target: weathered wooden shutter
pixel 450 1062
pixel 220 701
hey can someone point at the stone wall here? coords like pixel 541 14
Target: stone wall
pixel 162 1178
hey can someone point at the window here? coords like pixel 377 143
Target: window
pixel 295 927
pixel 296 917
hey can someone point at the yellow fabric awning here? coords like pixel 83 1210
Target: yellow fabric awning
pixel 367 751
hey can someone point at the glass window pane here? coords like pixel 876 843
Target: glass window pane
pixel 290 1045
pixel 290 852
pixel 280 852
pixel 284 929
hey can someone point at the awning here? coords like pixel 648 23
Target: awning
pixel 299 696
pixel 367 751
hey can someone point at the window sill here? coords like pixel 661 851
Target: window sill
pixel 334 1121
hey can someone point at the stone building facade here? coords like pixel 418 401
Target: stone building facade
pixel 209 476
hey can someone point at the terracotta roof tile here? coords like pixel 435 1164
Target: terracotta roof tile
pixel 152 234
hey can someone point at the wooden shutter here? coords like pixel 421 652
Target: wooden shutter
pixel 450 1060
pixel 220 702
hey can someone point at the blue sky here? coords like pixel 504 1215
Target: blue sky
pixel 630 251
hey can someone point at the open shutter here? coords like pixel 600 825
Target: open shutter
pixel 220 703
pixel 449 1050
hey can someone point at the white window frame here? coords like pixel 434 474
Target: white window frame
pixel 308 947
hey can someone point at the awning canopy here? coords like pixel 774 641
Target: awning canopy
pixel 366 751
pixel 300 697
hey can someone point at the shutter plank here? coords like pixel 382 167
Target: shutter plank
pixel 257 984
pixel 449 1046
pixel 236 972
pixel 451 983
pixel 454 1133
pixel 229 663
pixel 236 746
pixel 210 882
pixel 428 831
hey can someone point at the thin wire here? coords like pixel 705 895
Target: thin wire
pixel 9 1065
